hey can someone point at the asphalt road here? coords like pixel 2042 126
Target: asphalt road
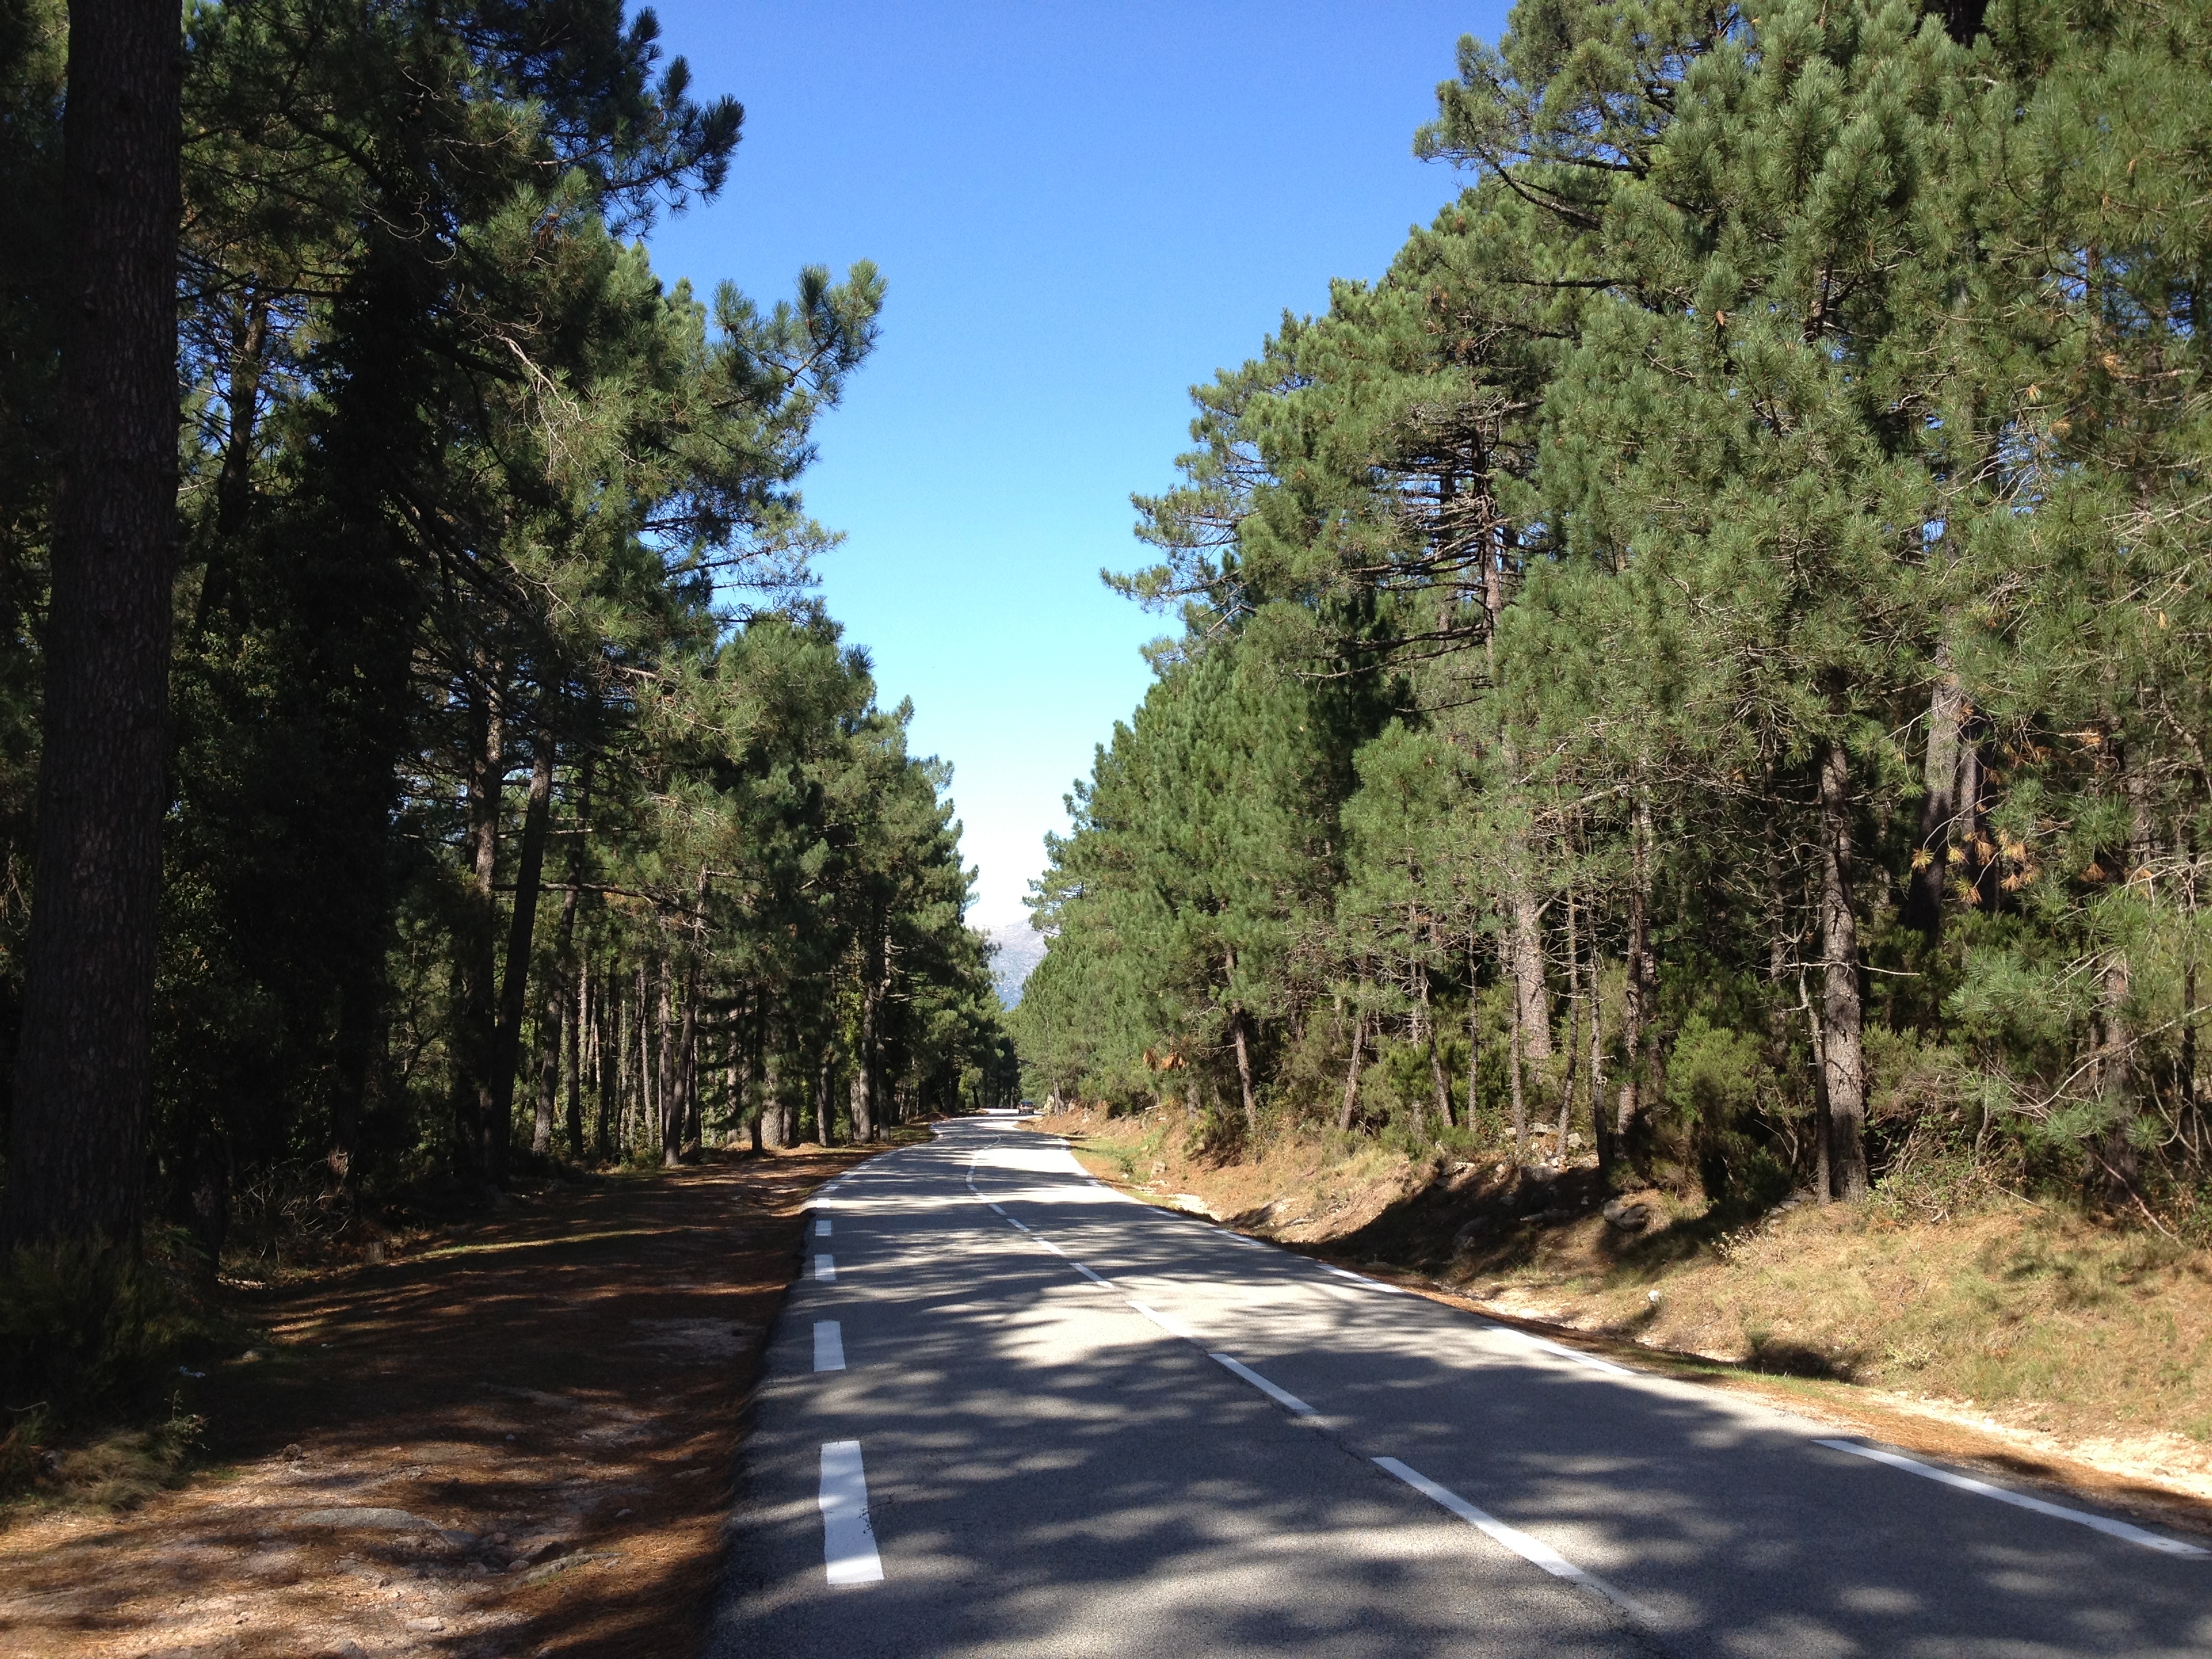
pixel 1008 1412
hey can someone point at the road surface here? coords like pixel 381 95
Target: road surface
pixel 1009 1411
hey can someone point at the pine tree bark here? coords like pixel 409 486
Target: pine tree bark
pixel 775 1110
pixel 1574 1036
pixel 1940 805
pixel 1437 1082
pixel 1530 990
pixel 561 986
pixel 692 1131
pixel 607 1042
pixel 1641 974
pixel 83 1076
pixel 825 1105
pixel 670 1102
pixel 2122 1165
pixel 579 1022
pixel 1520 1095
pixel 1845 1064
pixel 1237 1020
pixel 1351 1074
pixel 476 968
pixel 522 923
pixel 875 986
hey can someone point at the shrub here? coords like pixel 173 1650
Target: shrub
pixel 90 1333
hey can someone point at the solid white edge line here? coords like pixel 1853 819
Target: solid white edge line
pixel 1172 1326
pixel 848 1541
pixel 828 1345
pixel 1528 1549
pixel 1282 1397
pixel 2149 1540
pixel 1362 1278
pixel 825 1269
pixel 1588 1360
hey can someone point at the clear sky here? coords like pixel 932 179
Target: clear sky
pixel 1079 212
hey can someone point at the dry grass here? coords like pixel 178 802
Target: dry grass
pixel 2051 1332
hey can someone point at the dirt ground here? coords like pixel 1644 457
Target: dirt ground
pixel 2037 1351
pixel 517 1439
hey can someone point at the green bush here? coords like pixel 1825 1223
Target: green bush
pixel 88 1334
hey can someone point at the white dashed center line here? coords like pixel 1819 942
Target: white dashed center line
pixel 822 1226
pixel 825 1268
pixel 1283 1397
pixel 1173 1328
pixel 828 1345
pixel 848 1541
pixel 1528 1548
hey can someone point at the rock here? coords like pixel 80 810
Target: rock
pixel 292 1453
pixel 426 1623
pixel 374 1520
pixel 1630 1216
pixel 1464 1239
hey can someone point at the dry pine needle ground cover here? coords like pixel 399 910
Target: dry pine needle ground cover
pixel 516 1440
pixel 2034 1345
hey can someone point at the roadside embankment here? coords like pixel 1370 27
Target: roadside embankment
pixel 2035 1341
pixel 516 1437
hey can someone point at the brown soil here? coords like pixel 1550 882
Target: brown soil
pixel 517 1440
pixel 2034 1347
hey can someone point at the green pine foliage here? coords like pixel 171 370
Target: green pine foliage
pixel 1750 546
pixel 525 806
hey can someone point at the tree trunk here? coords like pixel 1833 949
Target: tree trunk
pixel 1351 1073
pixel 1932 852
pixel 552 1029
pixel 1600 1129
pixel 1574 1036
pixel 1437 1082
pixel 1520 1096
pixel 665 1082
pixel 552 1026
pixel 84 1057
pixel 776 1101
pixel 522 923
pixel 1237 1021
pixel 234 489
pixel 875 985
pixel 1473 1025
pixel 825 1105
pixel 579 1023
pixel 608 1042
pixel 2116 1068
pixel 1533 994
pixel 475 1040
pixel 1839 953
pixel 695 1121
pixel 1640 975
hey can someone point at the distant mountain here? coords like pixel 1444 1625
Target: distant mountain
pixel 1016 950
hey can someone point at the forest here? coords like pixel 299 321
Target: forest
pixel 425 764
pixel 1701 667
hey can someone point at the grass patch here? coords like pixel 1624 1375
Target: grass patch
pixel 1953 1292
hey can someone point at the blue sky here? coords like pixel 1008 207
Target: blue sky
pixel 1079 213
